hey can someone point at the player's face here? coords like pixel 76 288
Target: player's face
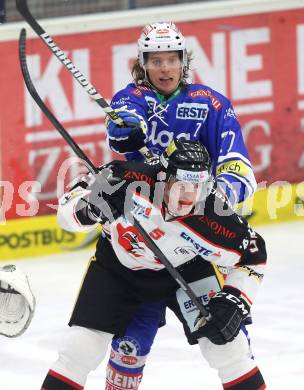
pixel 164 70
pixel 180 197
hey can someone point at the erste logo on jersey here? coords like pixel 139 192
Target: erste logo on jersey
pixel 204 299
pixel 195 111
pixel 198 246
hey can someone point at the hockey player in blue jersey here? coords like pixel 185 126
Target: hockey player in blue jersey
pixel 160 105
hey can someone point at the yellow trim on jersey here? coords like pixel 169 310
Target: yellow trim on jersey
pixel 219 275
pixel 92 258
pixel 143 124
pixel 233 166
pixel 171 148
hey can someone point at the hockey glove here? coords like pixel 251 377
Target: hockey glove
pixel 98 196
pixel 100 202
pixel 227 314
pixel 129 138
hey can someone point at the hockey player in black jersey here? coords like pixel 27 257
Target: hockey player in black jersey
pixel 193 225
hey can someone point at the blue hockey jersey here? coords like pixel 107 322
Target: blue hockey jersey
pixel 194 112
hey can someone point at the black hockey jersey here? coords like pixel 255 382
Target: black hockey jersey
pixel 212 231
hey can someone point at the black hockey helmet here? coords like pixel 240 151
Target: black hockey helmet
pixel 187 161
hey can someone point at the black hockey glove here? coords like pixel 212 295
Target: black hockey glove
pixel 134 142
pixel 101 206
pixel 227 312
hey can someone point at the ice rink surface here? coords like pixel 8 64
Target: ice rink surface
pixel 277 333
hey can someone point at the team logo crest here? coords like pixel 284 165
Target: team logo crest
pixel 131 240
pixel 128 346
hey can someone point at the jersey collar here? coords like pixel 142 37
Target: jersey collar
pixel 164 99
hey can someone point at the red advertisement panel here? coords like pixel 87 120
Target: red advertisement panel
pixel 256 60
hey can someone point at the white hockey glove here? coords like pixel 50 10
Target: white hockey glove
pixel 17 302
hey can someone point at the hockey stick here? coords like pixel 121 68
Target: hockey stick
pixel 33 92
pixel 22 7
pixel 79 152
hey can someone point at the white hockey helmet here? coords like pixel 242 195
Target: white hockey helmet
pixel 161 36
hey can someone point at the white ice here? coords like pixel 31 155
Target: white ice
pixel 277 333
